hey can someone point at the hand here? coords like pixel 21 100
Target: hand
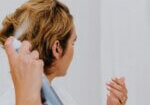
pixel 26 71
pixel 117 92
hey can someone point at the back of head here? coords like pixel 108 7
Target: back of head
pixel 48 20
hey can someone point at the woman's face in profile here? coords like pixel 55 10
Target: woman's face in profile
pixel 64 62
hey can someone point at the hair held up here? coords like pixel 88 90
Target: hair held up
pixel 48 20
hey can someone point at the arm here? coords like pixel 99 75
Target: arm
pixel 26 71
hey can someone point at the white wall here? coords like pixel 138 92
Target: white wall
pixel 125 46
pixel 83 79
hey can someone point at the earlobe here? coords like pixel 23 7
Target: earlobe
pixel 57 50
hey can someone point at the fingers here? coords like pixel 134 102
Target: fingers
pixel 115 92
pixel 112 100
pixel 40 65
pixel 25 48
pixel 40 62
pixel 34 54
pixel 118 88
pixel 114 85
pixel 121 82
pixel 10 50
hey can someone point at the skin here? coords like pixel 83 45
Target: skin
pixel 62 62
pixel 117 92
pixel 27 68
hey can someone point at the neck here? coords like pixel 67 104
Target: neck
pixel 51 77
pixel 52 73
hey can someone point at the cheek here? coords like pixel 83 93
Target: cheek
pixel 71 52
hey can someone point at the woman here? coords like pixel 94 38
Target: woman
pixel 50 36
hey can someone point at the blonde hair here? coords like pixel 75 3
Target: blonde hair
pixel 49 20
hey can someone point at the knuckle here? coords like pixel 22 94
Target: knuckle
pixel 36 53
pixel 41 62
pixel 26 43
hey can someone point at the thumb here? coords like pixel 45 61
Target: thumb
pixel 11 53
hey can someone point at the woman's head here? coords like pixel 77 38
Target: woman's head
pixel 50 30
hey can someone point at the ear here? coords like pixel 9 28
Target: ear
pixel 57 50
